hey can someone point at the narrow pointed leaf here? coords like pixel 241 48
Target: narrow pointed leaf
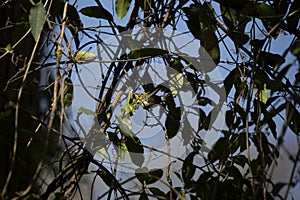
pixel 176 82
pixel 37 18
pixel 135 150
pixel 125 125
pixel 97 12
pixel 84 56
pixel 261 94
pixel 146 52
pixel 86 111
pixel 122 7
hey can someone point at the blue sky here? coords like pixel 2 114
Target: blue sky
pixel 89 74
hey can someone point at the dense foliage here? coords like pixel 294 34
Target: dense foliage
pixel 46 151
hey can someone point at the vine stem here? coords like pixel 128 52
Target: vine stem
pixel 17 109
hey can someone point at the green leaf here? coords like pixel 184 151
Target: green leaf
pixel 270 59
pixel 73 16
pixel 278 187
pixel 146 52
pixel 269 18
pixel 236 174
pixel 293 18
pixel 173 121
pixel 122 148
pixel 102 153
pixel 149 177
pixel 176 82
pixel 125 125
pixel 210 43
pixel 188 168
pixel 97 12
pixel 106 176
pixel 204 121
pixel 68 92
pixel 157 192
pixel 84 56
pixel 129 108
pixel 261 94
pixel 229 16
pixel 37 17
pixel 219 150
pixel 240 160
pixel 68 99
pixel 232 78
pixel 229 119
pixel 294 117
pixel 135 150
pixel 295 49
pixel 202 25
pixel 257 45
pixel 9 49
pixel 143 196
pixel 242 140
pixel 238 37
pixel 265 10
pixel 86 111
pixel 122 7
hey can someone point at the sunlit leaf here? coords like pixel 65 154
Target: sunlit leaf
pixel 84 56
pixel 122 7
pixel 125 125
pixel 129 108
pixel 37 17
pixel 68 92
pixel 9 49
pixel 261 94
pixel 68 100
pixel 176 82
pixel 102 153
pixel 122 150
pixel 86 111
